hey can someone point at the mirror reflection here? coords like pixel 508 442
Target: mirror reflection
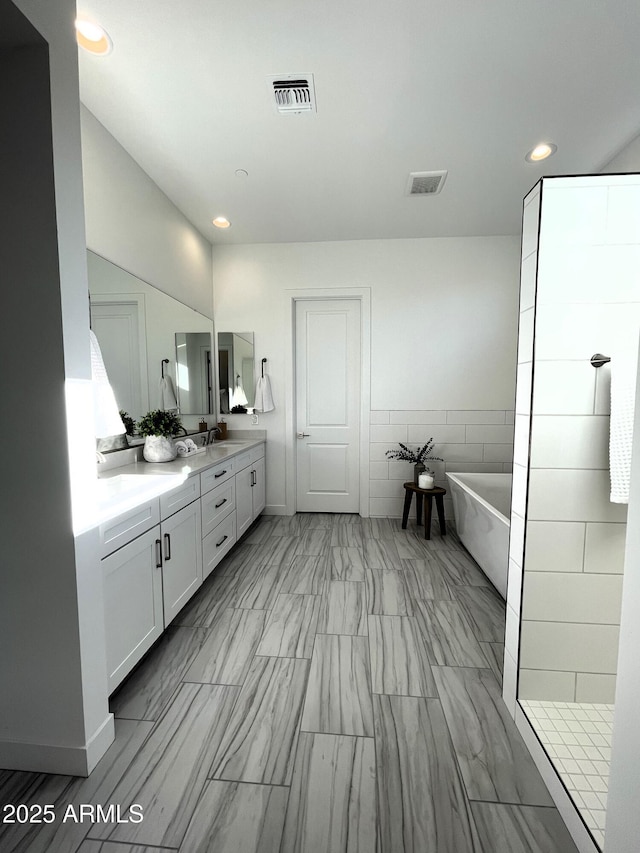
pixel 236 372
pixel 144 334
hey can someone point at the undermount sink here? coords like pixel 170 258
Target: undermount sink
pixel 232 442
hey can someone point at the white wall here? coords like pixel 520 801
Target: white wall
pixel 53 708
pixel 443 322
pixel 132 223
pixel 626 160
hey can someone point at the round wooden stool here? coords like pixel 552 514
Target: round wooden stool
pixel 437 493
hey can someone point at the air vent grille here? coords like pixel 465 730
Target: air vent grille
pixel 425 183
pixel 294 94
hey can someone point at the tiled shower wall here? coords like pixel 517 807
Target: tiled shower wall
pixel 473 441
pixel 585 298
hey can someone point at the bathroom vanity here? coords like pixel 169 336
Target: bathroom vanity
pixel 156 554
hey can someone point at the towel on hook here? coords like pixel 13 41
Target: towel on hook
pixel 623 395
pixel 168 398
pixel 264 397
pixel 107 420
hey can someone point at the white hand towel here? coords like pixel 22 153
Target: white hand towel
pixel 623 394
pixel 182 448
pixel 168 398
pixel 191 445
pixel 106 416
pixel 264 397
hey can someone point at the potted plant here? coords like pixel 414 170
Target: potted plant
pixel 158 428
pixel 128 421
pixel 417 457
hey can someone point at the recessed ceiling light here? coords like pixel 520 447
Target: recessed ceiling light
pixel 541 152
pixel 242 173
pixel 221 222
pixel 92 37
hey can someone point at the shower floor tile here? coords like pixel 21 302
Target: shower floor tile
pixel 577 737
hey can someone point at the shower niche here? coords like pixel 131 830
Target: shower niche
pixel 579 296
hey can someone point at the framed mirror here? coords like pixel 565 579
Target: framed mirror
pixel 236 372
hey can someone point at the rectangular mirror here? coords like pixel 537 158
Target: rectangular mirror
pixel 194 377
pixel 144 333
pixel 236 372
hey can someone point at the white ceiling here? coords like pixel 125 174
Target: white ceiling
pixel 411 85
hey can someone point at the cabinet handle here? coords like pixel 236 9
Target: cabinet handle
pixel 253 479
pixel 221 474
pixel 223 501
pixel 158 554
pixel 167 547
pixel 218 544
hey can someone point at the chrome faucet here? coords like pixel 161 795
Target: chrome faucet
pixel 210 437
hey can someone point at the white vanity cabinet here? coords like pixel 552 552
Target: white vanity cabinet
pixel 181 538
pixel 132 590
pixel 250 488
pixel 218 509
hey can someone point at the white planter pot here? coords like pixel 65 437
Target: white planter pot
pixel 157 448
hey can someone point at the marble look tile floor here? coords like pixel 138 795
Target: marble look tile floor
pixel 332 688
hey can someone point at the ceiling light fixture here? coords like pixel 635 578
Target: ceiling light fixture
pixel 221 222
pixel 92 37
pixel 541 152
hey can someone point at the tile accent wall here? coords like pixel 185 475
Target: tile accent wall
pixel 472 441
pixel 579 290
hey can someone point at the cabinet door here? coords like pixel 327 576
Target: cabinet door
pixel 181 558
pixel 244 501
pixel 259 487
pixel 132 604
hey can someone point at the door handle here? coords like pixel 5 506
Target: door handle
pixel 158 554
pixel 303 435
pixel 167 547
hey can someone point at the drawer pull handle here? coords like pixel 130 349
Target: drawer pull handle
pixel 167 547
pixel 221 474
pixel 219 504
pixel 158 554
pixel 218 544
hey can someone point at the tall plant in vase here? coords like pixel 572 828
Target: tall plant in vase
pixel 159 428
pixel 416 456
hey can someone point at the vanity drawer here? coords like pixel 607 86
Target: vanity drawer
pixel 181 496
pixel 218 543
pixel 125 527
pixel 217 505
pixel 216 475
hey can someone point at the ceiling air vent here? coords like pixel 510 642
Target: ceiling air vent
pixel 426 183
pixel 293 93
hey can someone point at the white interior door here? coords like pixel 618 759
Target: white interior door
pixel 118 330
pixel 328 370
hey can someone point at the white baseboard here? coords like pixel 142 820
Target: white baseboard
pixel 276 509
pixel 52 758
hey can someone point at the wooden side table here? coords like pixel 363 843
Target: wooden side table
pixel 437 493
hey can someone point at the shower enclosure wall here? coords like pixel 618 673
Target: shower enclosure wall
pixel 580 294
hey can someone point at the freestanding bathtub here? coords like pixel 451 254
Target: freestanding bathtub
pixel 481 508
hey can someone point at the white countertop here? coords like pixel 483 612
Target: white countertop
pixel 120 489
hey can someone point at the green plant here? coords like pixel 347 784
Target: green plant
pixel 418 456
pixel 128 421
pixel 159 422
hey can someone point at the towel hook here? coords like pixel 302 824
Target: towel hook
pixel 162 364
pixel 598 359
pixel 264 361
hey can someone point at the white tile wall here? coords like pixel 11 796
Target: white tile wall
pixel 571 495
pixel 555 546
pixel 569 646
pixel 570 597
pixel 595 687
pixel 564 388
pixel 546 684
pixel 467 440
pixel 604 548
pixel 562 441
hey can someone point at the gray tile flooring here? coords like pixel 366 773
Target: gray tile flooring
pixel 334 686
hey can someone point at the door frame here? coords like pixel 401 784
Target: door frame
pixel 363 295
